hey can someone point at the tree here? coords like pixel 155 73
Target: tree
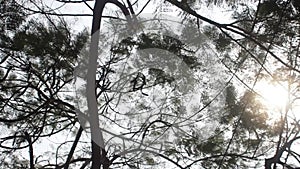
pixel 36 69
pixel 155 129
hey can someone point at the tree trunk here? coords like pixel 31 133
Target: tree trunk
pixel 96 133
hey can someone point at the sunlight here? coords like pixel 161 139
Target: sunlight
pixel 273 95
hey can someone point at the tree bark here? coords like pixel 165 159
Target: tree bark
pixel 96 133
pixel 98 148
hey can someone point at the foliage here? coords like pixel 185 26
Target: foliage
pixel 164 100
pixel 36 69
pixel 11 15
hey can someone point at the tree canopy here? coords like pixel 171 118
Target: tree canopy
pixel 161 90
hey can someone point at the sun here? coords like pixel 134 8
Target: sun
pixel 273 95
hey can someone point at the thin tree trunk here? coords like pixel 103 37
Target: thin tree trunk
pixel 98 148
pixel 96 133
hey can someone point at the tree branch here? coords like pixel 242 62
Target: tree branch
pixel 148 151
pixel 230 28
pixel 72 1
pixel 276 158
pixel 70 155
pixel 31 158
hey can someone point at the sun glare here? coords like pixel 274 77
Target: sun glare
pixel 273 96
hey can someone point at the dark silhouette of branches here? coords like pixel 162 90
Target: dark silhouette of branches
pixel 276 159
pixel 233 29
pixel 36 72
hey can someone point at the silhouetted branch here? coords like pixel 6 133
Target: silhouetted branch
pixel 148 151
pixel 31 158
pixel 233 29
pixel 276 158
pixel 70 155
pixel 73 1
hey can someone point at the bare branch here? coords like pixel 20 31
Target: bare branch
pixel 70 155
pixel 73 1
